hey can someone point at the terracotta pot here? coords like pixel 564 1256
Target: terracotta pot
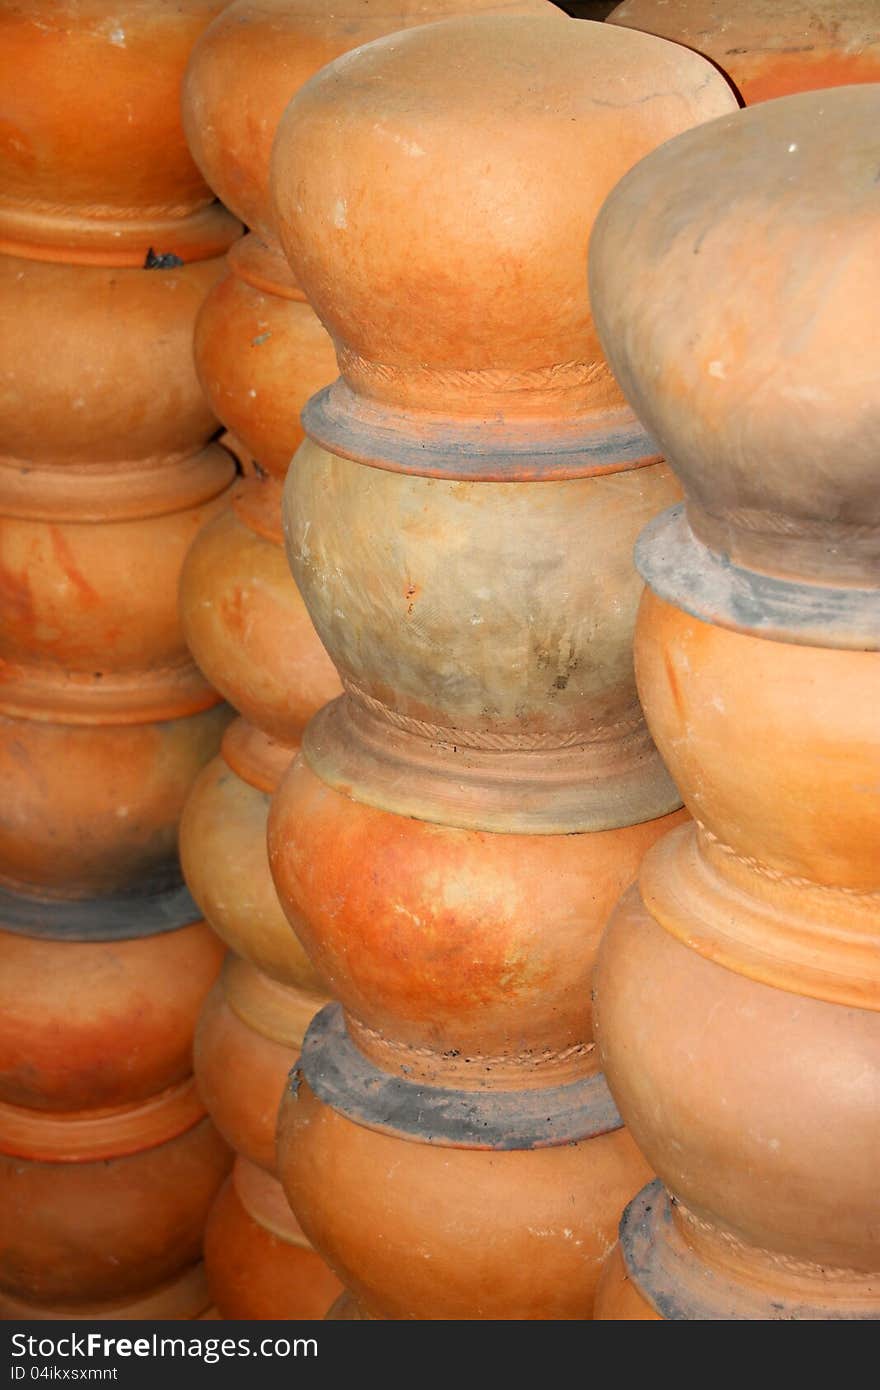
pixel 100 1024
pixel 182 1298
pixel 461 955
pixel 800 516
pixel 105 1205
pixel 458 1233
pixel 97 368
pixel 80 594
pixel 761 616
pixel 259 1263
pixel 471 701
pixel 223 854
pixel 769 49
pixel 261 352
pixel 248 1038
pixel 90 807
pixel 111 74
pixel 439 371
pixel 236 600
pixel 253 58
pixel 769 1140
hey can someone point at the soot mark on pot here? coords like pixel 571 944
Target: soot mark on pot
pixel 161 260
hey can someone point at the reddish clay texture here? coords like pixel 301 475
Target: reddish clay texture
pixel 456 953
pixel 418 1231
pixel 254 1273
pixel 77 1232
pixel 94 808
pixel 769 48
pixel 249 630
pixel 180 1299
pixel 100 1024
pixel 93 156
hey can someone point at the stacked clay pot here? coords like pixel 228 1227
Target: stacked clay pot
pixel 769 48
pixel 110 241
pixel 733 276
pixel 460 524
pixel 260 353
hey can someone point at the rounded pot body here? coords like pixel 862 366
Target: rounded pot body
pixel 112 1228
pixel 93 808
pixel 769 1144
pixel 248 336
pixel 256 1272
pixel 453 952
pixel 458 1233
pixel 92 1025
pixel 226 866
pixel 96 363
pixel 180 1299
pixel 249 629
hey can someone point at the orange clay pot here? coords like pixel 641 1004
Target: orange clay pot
pixel 91 808
pixel 757 656
pixel 461 956
pixel 180 1299
pixel 246 624
pixel 249 1036
pixel 768 1140
pixel 468 274
pixel 93 161
pixel 224 859
pixel 100 1024
pixel 458 1233
pixel 105 1205
pixel 97 368
pixel 769 48
pixel 259 1263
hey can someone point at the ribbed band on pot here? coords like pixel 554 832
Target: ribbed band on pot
pixel 60 234
pixel 94 1136
pixel 489 449
pixel 162 904
pixel 706 583
pixel 276 1011
pixel 256 758
pixel 56 696
pixel 500 784
pixel 340 1076
pixel 680 1286
pixel 805 937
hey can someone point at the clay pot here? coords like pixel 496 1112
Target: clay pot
pixel 445 370
pixel 769 1139
pixel 92 808
pixel 249 1036
pixel 254 327
pixel 236 600
pixel 757 636
pixel 224 859
pixel 100 1024
pixel 126 182
pixel 105 1205
pixel 487 663
pixel 462 955
pixel 182 1298
pixel 802 515
pixel 97 368
pixel 769 49
pixel 458 1233
pixel 259 1263
pixel 253 58
pixel 788 899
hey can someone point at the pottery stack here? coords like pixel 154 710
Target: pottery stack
pixel 460 524
pixel 110 241
pixel 770 48
pixel 734 276
pixel 261 352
